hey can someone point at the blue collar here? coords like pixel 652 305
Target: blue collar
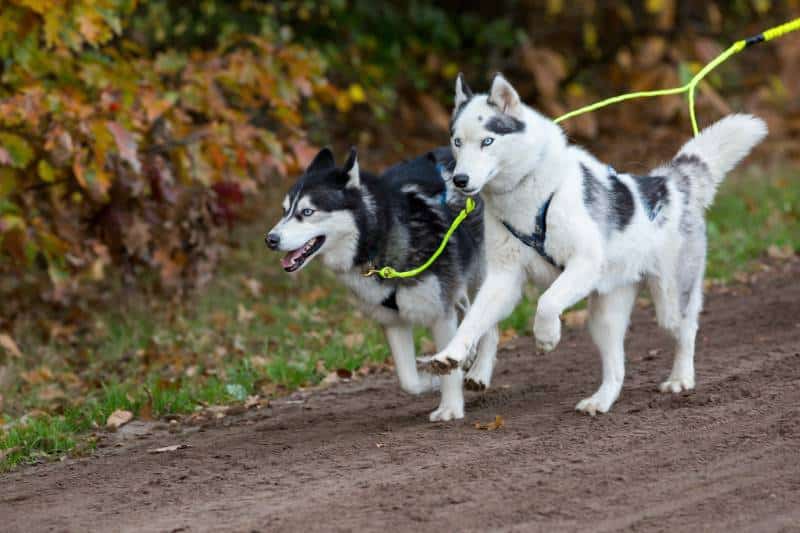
pixel 536 239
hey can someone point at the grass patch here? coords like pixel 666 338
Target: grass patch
pixel 256 330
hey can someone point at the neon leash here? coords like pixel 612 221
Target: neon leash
pixel 389 272
pixel 690 87
pixel 738 46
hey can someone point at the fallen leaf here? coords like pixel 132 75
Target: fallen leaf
pixel 252 285
pixel 252 401
pixel 315 294
pixel 353 340
pixel 37 376
pixel 783 252
pixel 491 426
pixel 331 379
pixel 244 315
pixel 118 419
pixel 576 319
pixel 507 336
pixel 10 345
pixel 166 449
pixel 50 393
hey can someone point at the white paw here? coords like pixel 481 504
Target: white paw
pixel 478 378
pixel 447 412
pixel 677 384
pixel 600 402
pixel 447 360
pixel 547 333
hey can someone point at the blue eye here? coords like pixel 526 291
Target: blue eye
pixel 457 142
pixel 307 212
pixel 487 141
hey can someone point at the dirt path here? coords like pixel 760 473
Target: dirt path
pixel 362 456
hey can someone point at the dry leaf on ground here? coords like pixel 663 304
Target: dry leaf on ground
pixel 780 252
pixel 252 285
pixel 166 449
pixel 10 345
pixel 497 423
pixel 576 319
pixel 118 419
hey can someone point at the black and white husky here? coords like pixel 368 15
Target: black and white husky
pixel 556 215
pixel 356 221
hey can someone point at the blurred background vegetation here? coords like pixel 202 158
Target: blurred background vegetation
pixel 143 146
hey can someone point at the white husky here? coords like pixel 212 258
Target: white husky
pixel 573 225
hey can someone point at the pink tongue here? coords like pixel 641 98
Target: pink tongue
pixel 289 259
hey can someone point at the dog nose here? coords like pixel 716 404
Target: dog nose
pixel 272 241
pixel 460 180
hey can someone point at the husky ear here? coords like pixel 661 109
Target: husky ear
pixel 503 94
pixel 463 92
pixel 323 160
pixel 351 169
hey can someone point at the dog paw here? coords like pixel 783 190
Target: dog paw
pixel 677 384
pixel 447 412
pixel 599 402
pixel 547 333
pixel 446 361
pixel 477 379
pixel 474 384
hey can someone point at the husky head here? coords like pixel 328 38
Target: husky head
pixel 318 213
pixel 491 135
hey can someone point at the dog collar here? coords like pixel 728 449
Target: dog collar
pixel 536 239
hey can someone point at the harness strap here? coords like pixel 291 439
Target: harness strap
pixel 536 239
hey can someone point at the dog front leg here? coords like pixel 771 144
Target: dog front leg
pixel 495 300
pixel 575 283
pixel 401 343
pixel 451 406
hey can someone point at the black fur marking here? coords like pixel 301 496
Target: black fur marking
pixel 458 112
pixel 620 201
pixel 504 125
pixel 654 193
pixel 592 189
pixel 391 301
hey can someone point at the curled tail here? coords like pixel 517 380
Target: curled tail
pixel 707 158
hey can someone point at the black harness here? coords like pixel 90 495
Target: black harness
pixel 536 239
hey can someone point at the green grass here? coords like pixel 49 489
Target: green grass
pixel 226 343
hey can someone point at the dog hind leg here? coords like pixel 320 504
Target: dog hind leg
pixel 608 321
pixel 678 297
pixel 480 373
pixel 451 406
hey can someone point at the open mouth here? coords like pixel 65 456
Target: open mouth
pixel 296 258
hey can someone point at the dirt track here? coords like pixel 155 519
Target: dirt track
pixel 362 456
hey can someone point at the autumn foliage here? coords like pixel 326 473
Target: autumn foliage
pixel 112 152
pixel 130 131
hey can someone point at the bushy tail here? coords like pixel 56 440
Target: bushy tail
pixel 707 158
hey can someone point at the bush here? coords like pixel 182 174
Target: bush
pixel 115 151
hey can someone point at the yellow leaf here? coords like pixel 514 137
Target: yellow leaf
pixel 118 419
pixel 497 423
pixel 46 171
pixel 654 6
pixel 356 93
